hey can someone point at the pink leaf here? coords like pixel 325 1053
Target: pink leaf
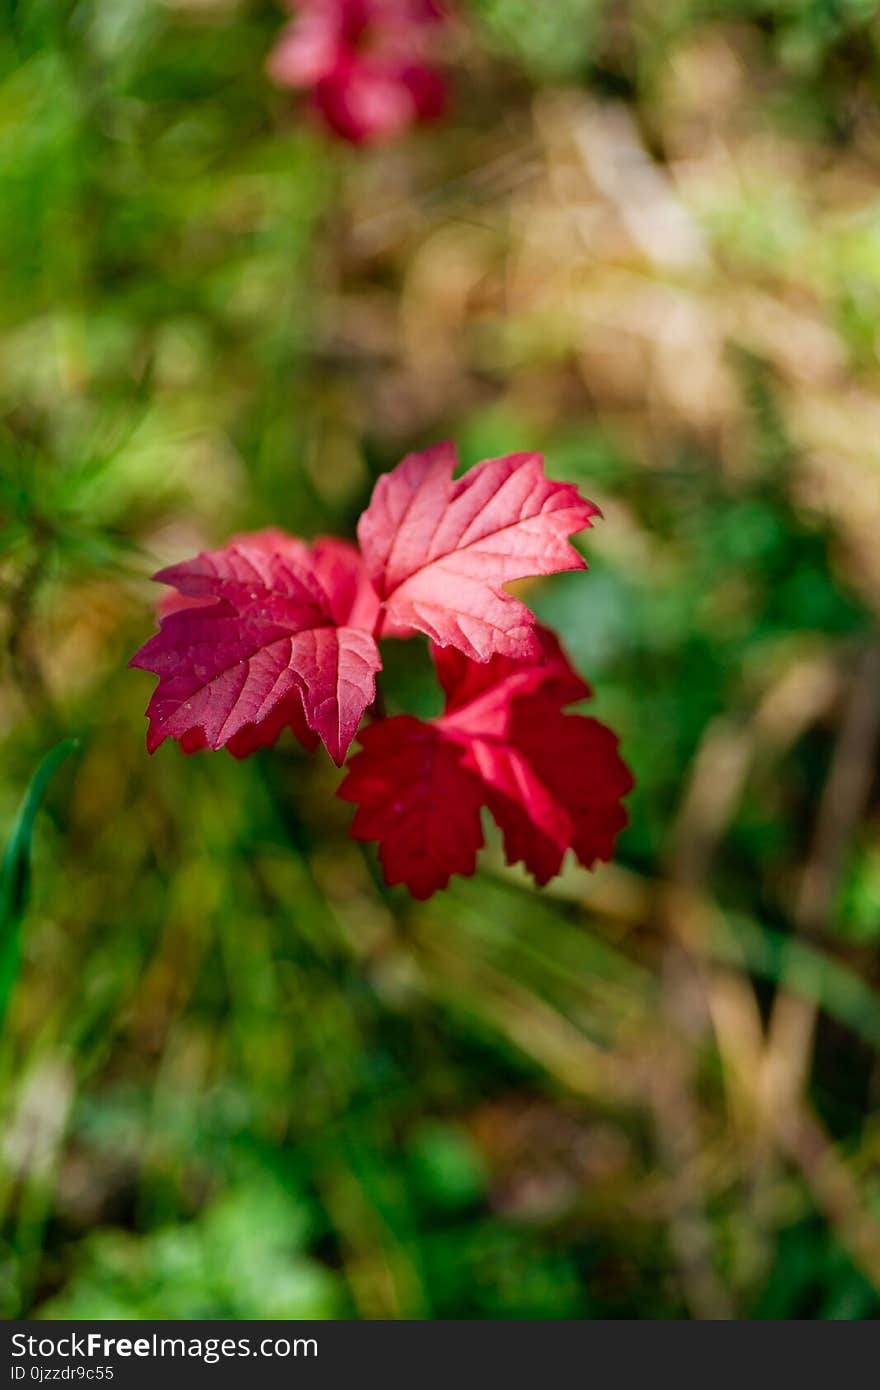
pixel 287 714
pixel 230 671
pixel 337 667
pixel 552 781
pixel 340 569
pixel 438 551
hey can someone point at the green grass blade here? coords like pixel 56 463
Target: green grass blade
pixel 15 869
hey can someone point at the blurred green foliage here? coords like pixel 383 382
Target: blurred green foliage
pixel 240 1077
pixel 15 871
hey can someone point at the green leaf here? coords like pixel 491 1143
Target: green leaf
pixel 15 869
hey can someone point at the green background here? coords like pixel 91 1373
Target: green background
pixel 238 1076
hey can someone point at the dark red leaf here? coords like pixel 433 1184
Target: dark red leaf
pixel 418 799
pixel 552 781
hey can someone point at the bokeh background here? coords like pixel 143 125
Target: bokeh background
pixel 238 1076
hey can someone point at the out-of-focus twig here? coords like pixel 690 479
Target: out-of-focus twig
pixel 785 1065
pixel 613 160
pixel 529 1023
pixel 834 1190
pixel 671 1084
pixel 792 1023
pixel 718 780
pixel 802 694
pixel 448 201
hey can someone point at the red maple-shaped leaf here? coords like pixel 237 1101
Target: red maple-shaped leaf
pixel 438 551
pixel 419 799
pixel 272 621
pixel 287 714
pixel 487 688
pixel 551 780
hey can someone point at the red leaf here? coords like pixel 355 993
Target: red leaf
pixel 577 762
pixel 408 779
pixel 552 781
pixel 499 680
pixel 287 714
pixel 369 64
pixel 340 569
pixel 438 550
pixel 279 627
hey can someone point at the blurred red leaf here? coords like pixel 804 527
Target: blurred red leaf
pixel 369 65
